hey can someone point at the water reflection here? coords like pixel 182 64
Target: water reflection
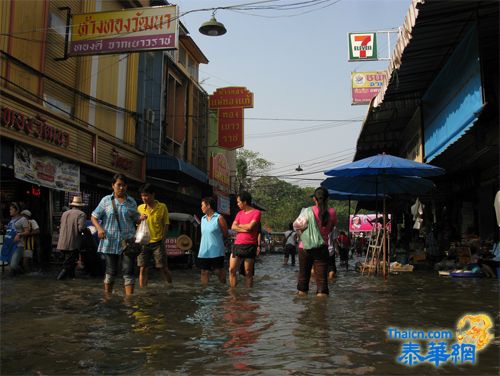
pixel 53 327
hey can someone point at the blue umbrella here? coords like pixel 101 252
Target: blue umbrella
pixel 385 164
pixel 371 186
pixel 338 195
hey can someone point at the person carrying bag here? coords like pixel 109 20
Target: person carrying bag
pixel 314 244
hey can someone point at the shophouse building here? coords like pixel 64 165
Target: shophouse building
pixel 439 105
pixel 173 128
pixel 68 124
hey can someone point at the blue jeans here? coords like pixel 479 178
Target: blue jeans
pixel 128 266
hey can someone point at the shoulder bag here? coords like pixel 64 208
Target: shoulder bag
pixel 128 246
pixel 311 237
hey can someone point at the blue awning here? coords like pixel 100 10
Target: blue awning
pixel 179 167
pixel 454 101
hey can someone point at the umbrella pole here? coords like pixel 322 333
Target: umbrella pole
pixel 384 245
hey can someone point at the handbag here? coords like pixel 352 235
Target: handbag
pixel 128 246
pixel 311 237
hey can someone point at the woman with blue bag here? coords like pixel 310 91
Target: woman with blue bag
pixel 13 244
pixel 315 225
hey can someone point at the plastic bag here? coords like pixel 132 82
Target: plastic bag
pixel 300 224
pixel 143 236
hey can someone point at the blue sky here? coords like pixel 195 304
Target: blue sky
pixel 297 68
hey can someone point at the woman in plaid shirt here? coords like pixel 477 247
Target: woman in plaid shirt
pixel 110 235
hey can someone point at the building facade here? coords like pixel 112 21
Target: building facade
pixel 67 124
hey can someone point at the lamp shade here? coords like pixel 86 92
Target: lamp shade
pixel 212 28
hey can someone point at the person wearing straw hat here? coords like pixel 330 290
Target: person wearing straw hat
pixel 72 225
pixel 30 241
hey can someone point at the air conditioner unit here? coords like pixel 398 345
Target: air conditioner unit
pixel 149 115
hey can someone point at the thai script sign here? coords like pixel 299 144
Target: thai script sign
pixel 220 169
pixel 362 46
pixel 35 127
pixel 230 128
pixel 130 30
pixel 366 85
pixel 234 96
pixel 120 161
pixel 230 102
pixel 36 168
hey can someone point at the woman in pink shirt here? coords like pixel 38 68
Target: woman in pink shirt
pixel 326 220
pixel 246 224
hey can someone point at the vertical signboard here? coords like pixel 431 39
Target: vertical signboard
pixel 230 128
pixel 362 46
pixel 229 103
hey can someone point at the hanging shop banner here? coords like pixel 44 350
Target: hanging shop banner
pixel 130 30
pixel 367 222
pixel 37 168
pixel 365 86
pixel 230 102
pixel 362 46
pixel 230 128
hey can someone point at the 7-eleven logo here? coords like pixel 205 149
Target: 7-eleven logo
pixel 362 46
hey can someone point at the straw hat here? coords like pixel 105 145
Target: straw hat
pixel 184 243
pixel 77 201
pixel 26 212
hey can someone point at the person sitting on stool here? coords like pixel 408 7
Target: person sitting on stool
pixel 72 225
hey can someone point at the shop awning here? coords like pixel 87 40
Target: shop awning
pixel 178 169
pixel 429 35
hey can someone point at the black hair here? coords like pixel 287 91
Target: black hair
pixel 119 177
pixel 245 197
pixel 16 206
pixel 290 226
pixel 147 188
pixel 210 201
pixel 321 196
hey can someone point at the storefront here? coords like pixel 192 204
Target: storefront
pixel 47 158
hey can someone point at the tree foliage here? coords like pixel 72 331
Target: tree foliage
pixel 281 200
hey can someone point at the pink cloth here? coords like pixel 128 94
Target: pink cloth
pixel 244 218
pixel 325 231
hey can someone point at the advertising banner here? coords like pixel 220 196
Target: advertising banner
pixel 362 46
pixel 130 30
pixel 40 169
pixel 367 222
pixel 366 85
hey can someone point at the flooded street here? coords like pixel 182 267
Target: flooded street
pixel 54 327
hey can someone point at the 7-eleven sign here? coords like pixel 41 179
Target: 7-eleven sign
pixel 362 46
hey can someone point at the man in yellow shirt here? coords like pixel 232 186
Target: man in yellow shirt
pixel 156 215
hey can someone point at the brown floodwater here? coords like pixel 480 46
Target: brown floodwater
pixel 51 327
